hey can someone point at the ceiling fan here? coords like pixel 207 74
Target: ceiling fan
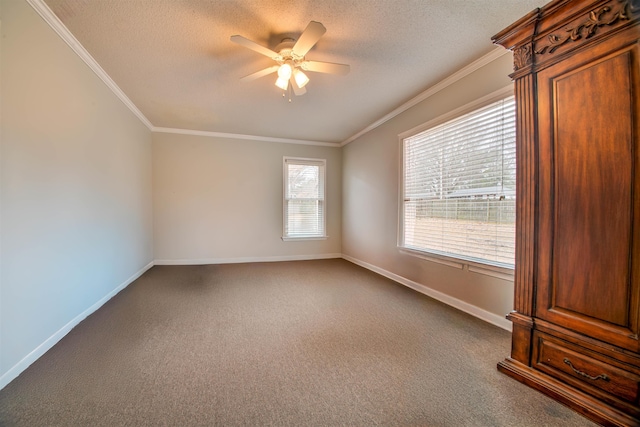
pixel 290 58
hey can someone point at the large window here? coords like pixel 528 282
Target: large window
pixel 459 187
pixel 304 198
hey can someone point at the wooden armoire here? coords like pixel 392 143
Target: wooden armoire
pixel 576 322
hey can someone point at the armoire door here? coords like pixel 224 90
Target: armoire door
pixel 588 271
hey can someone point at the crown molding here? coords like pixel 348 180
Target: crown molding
pixel 246 137
pixel 50 18
pixel 458 75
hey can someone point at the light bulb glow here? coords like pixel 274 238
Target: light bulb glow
pixel 282 83
pixel 300 78
pixel 284 72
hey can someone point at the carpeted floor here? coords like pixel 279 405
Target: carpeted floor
pixel 309 343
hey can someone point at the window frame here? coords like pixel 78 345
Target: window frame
pixel 285 180
pixel 498 270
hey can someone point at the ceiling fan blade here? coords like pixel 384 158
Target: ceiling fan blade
pixel 260 73
pixel 297 90
pixel 326 67
pixel 309 38
pixel 255 46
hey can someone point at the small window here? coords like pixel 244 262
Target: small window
pixel 458 189
pixel 304 198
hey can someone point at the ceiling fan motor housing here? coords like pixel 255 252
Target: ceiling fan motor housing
pixel 285 50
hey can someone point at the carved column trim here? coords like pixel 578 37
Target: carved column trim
pixel 526 158
pixel 520 39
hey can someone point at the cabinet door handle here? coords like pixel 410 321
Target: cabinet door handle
pixel 603 377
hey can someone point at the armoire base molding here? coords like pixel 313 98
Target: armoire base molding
pixel 580 402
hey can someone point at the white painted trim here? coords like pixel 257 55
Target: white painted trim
pixel 460 262
pixel 432 257
pixel 240 136
pixel 50 18
pixel 26 361
pixel 23 364
pixel 478 312
pixel 322 169
pixel 499 271
pixel 304 238
pixel 458 75
pixel 494 96
pixel 493 272
pixel 203 261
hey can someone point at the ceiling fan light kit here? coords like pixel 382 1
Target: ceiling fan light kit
pixel 290 57
pixel 282 83
pixel 300 77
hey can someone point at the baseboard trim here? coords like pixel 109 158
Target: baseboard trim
pixel 26 361
pixel 203 261
pixel 23 364
pixel 478 312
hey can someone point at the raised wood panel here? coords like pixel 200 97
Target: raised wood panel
pixel 589 190
pixel 593 187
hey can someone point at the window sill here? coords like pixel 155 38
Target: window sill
pixel 504 273
pixel 293 239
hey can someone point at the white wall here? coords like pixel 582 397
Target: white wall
pixel 75 204
pixel 370 198
pixel 220 200
pixel 89 197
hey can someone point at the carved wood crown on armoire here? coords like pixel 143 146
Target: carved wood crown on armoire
pixel 577 281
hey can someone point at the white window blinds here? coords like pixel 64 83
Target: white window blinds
pixel 459 187
pixel 304 198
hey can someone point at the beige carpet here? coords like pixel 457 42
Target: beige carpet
pixel 308 343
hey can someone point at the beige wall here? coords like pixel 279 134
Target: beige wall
pixel 220 200
pixel 89 196
pixel 75 200
pixel 370 197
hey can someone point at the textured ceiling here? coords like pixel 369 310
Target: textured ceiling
pixel 174 59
